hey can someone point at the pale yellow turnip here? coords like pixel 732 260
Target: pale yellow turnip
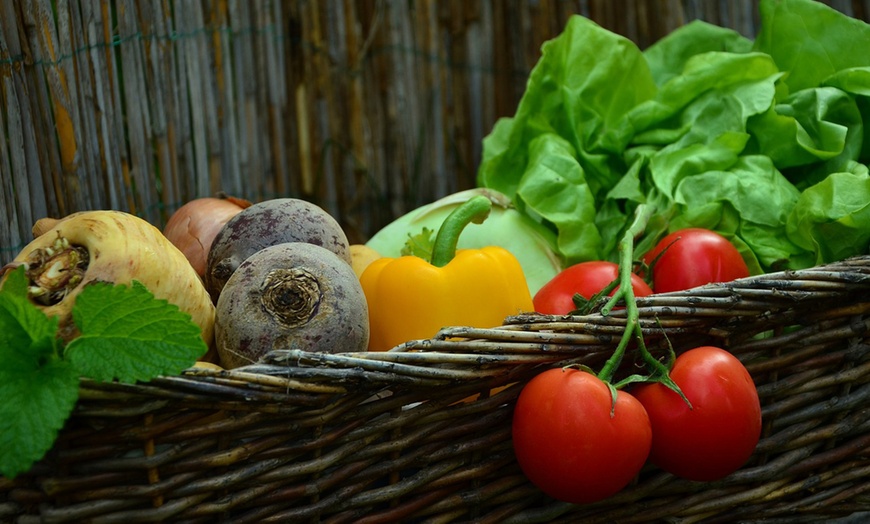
pixel 113 247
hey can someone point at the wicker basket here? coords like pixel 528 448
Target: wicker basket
pixel 383 437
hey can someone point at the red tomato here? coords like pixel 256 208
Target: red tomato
pixel 568 444
pixel 556 297
pixel 720 432
pixel 694 257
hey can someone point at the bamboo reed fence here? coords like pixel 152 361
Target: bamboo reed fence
pixel 367 107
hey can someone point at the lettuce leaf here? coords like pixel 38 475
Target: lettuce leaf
pixel 668 56
pixel 856 82
pixel 811 40
pixel 831 218
pixel 570 122
pixel 758 140
pixel 753 189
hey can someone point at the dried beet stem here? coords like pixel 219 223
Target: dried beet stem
pixel 292 296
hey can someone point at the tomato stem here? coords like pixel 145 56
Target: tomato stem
pixel 625 293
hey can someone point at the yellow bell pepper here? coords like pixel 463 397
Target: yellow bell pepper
pixel 410 298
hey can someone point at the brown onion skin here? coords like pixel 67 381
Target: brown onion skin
pixel 193 226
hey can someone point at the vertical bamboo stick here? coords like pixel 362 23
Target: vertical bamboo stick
pixel 408 115
pixel 72 39
pixel 30 202
pixel 262 140
pixel 441 33
pixel 242 103
pixel 227 100
pixel 45 180
pixel 137 114
pixel 10 231
pixel 205 34
pixel 336 193
pixel 155 59
pixel 501 63
pixel 17 126
pixel 354 49
pixel 178 157
pixel 458 148
pixel 68 118
pixel 371 71
pixel 482 84
pixel 276 92
pixel 189 21
pixel 108 104
pixel 180 128
pixel 8 219
pixel 305 91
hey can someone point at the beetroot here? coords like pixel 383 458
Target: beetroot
pixel 266 224
pixel 290 296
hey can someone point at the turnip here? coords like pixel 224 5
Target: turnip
pixel 114 247
pixel 290 296
pixel 266 224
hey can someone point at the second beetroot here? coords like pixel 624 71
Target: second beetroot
pixel 266 224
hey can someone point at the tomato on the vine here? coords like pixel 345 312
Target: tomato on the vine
pixel 556 297
pixel 569 443
pixel 719 433
pixel 693 257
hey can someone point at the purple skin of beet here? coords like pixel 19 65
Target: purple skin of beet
pixel 266 224
pixel 290 296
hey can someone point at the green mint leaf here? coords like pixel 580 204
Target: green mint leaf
pixel 38 396
pixel 420 245
pixel 129 335
pixel 22 323
pixel 38 389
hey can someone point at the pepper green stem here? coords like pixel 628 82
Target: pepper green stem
pixel 475 210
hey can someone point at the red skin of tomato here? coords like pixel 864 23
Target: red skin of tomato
pixel 718 435
pixel 568 444
pixel 556 297
pixel 695 257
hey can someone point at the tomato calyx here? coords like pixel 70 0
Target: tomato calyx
pixel 585 306
pixel 614 393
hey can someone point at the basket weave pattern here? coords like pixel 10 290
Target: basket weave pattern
pixel 383 437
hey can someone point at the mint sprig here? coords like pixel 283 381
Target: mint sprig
pixel 126 334
pixel 130 336
pixel 38 397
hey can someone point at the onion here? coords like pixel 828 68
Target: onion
pixel 194 225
